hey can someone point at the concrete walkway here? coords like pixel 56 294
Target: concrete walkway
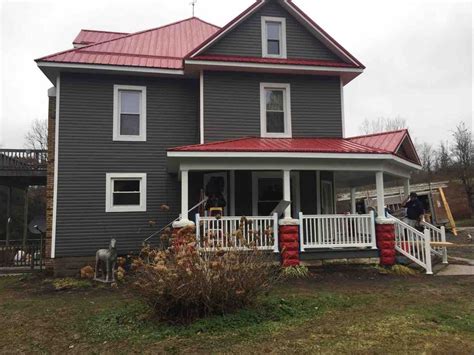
pixel 457 270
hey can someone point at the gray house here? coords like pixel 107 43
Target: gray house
pixel 201 118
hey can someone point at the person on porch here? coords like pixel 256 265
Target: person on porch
pixel 414 210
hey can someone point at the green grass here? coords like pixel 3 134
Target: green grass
pixel 364 312
pixel 268 314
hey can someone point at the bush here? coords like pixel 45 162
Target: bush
pixel 295 272
pixel 182 283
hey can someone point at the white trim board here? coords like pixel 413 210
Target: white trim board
pixel 201 107
pixel 120 68
pixel 381 156
pixel 56 155
pixel 313 68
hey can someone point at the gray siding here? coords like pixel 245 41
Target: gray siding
pixel 246 39
pixel 87 153
pixel 232 105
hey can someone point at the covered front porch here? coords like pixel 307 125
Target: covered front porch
pixel 255 187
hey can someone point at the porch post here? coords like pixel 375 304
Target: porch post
pixel 318 192
pixel 287 191
pixel 380 194
pixel 184 194
pixel 406 187
pixel 353 200
pixel 232 192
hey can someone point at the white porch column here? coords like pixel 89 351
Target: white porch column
pixel 406 187
pixel 353 200
pixel 184 195
pixel 232 192
pixel 318 192
pixel 380 194
pixel 287 191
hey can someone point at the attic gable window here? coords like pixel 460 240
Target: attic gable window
pixel 275 110
pixel 129 113
pixel 273 37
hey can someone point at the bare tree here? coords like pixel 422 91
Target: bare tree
pixel 443 159
pixel 427 157
pixel 463 154
pixel 37 136
pixel 382 124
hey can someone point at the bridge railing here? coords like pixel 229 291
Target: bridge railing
pixel 23 159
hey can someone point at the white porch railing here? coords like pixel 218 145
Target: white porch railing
pixel 437 235
pixel 413 244
pixel 337 231
pixel 237 232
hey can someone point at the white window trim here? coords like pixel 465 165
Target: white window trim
pixel 282 21
pixel 116 134
pixel 109 207
pixel 286 108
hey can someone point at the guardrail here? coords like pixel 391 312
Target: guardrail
pixel 23 159
pixel 437 235
pixel 16 253
pixel 337 231
pixel 413 244
pixel 237 232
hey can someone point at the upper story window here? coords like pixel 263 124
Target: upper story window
pixel 274 37
pixel 275 110
pixel 129 113
pixel 125 192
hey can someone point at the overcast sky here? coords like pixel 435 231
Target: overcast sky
pixel 418 53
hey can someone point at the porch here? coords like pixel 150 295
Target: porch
pixel 262 184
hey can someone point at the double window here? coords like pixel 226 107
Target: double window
pixel 129 113
pixel 125 192
pixel 275 110
pixel 274 37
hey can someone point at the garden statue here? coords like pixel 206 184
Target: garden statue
pixel 105 259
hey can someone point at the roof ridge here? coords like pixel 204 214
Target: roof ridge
pixel 378 134
pixel 100 31
pixel 116 39
pixel 206 22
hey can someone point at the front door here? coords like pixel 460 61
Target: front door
pixel 216 182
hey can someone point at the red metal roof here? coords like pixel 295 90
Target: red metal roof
pixel 388 141
pixel 162 47
pixel 227 58
pixel 294 145
pixel 396 143
pixel 86 37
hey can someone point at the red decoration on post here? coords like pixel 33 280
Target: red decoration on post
pixel 386 243
pixel 289 245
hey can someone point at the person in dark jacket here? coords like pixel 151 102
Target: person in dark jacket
pixel 415 210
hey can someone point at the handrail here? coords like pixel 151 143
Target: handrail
pixel 437 235
pixel 174 220
pixel 413 244
pixel 337 231
pixel 23 159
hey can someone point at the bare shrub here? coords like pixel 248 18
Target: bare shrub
pixel 182 283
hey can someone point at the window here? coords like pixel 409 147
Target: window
pixel 274 37
pixel 125 192
pixel 275 110
pixel 327 197
pixel 129 113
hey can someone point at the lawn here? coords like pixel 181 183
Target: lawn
pixel 341 309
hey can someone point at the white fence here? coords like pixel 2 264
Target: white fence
pixel 337 231
pixel 413 244
pixel 237 232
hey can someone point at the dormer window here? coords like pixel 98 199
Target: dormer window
pixel 275 110
pixel 274 37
